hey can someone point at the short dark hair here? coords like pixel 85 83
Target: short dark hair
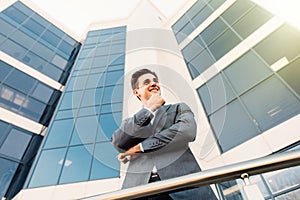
pixel 135 76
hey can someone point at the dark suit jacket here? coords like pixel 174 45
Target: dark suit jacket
pixel 165 143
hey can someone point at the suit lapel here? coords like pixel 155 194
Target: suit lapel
pixel 160 118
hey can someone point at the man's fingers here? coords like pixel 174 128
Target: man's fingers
pixel 122 158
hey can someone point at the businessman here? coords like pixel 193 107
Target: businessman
pixel 155 141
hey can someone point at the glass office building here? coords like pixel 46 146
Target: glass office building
pixel 30 46
pixel 77 147
pixel 252 93
pixel 238 59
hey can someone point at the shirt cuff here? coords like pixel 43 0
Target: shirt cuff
pixel 141 147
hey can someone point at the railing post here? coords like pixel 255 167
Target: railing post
pixel 252 191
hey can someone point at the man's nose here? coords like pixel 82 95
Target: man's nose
pixel 153 83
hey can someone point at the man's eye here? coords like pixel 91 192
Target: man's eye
pixel 146 82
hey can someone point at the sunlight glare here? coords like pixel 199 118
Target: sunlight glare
pixel 288 10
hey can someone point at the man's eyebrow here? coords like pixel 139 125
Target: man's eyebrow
pixel 146 80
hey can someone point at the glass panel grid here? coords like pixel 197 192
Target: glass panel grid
pixel 89 111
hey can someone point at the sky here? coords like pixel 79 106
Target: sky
pixel 76 15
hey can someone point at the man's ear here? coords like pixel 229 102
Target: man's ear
pixel 135 92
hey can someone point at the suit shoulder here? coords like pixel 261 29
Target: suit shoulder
pixel 182 106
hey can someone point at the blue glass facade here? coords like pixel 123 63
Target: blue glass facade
pixel 29 38
pixel 77 146
pixel 17 150
pixel 25 95
pixel 36 42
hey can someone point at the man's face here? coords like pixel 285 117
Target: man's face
pixel 147 85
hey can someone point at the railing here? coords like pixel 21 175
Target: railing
pixel 207 177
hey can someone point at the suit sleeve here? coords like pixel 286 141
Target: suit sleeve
pixel 132 130
pixel 182 132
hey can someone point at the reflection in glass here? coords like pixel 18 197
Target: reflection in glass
pixel 232 125
pixel 276 103
pixel 283 179
pixel 48 168
pixel 14 137
pixel 77 164
pixel 7 171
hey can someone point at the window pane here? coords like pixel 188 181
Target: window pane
pixel 197 7
pixel 9 146
pixel 117 48
pixel 59 133
pixel 201 16
pixel 91 97
pixel 108 108
pixel 34 26
pixel 279 44
pixel 192 49
pixel 232 125
pixel 246 72
pixel 116 59
pixel 15 14
pixel 251 21
pixel 193 71
pixel 48 168
pixel 66 47
pixel 5 69
pixel 85 130
pixel 213 31
pixel 21 38
pixel 105 164
pixel 113 94
pixel 115 77
pixel 63 114
pixel 215 94
pixel 51 38
pixel 283 179
pixel 184 32
pixel 3 131
pixel 20 81
pixel 71 100
pixel 224 44
pixel 88 111
pixel 33 109
pixel 42 92
pixel 271 103
pixel 6 28
pixel 216 3
pixel 237 10
pixel 180 23
pixel 77 164
pixel 114 121
pixel 202 61
pixel 42 51
pixel 291 74
pixel 7 172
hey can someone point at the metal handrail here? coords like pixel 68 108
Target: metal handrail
pixel 207 177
